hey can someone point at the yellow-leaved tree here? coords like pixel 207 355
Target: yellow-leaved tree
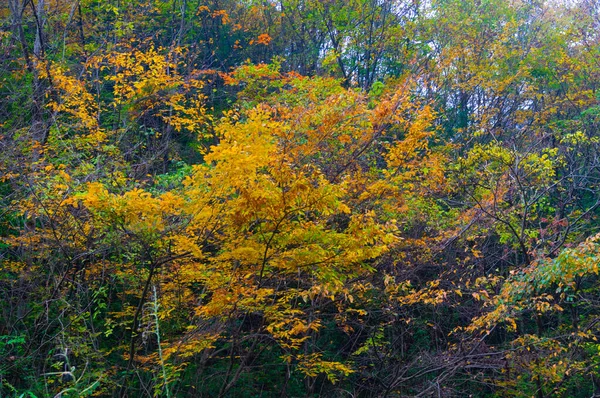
pixel 275 235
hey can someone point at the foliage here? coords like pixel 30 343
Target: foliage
pixel 299 198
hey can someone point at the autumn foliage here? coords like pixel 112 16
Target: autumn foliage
pixel 299 198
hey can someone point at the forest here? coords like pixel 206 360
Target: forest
pixel 299 198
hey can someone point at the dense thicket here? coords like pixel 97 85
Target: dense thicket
pixel 366 198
